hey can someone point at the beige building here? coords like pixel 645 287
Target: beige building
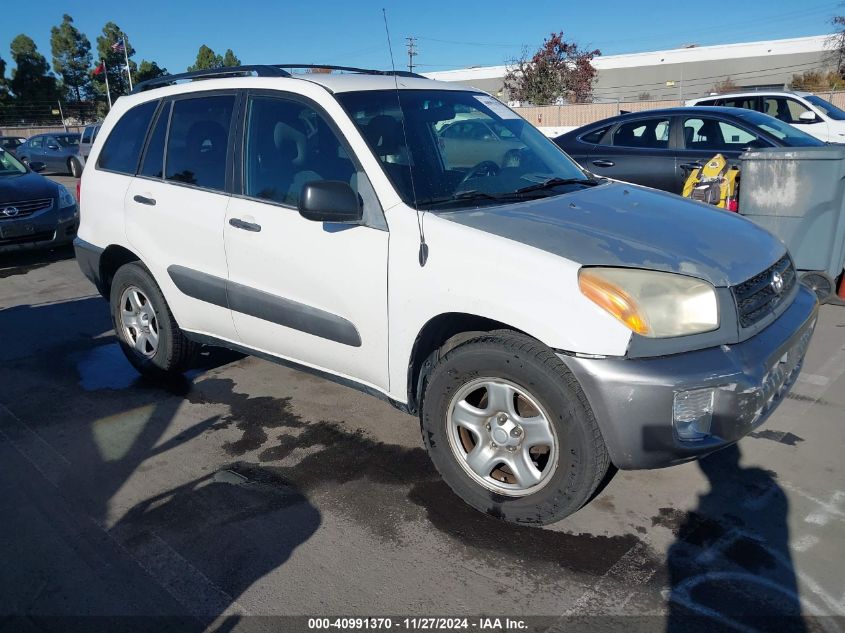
pixel 682 73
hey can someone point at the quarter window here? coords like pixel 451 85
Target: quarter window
pixel 289 144
pixel 123 146
pixel 36 142
pixel 644 133
pixel 596 135
pixel 198 141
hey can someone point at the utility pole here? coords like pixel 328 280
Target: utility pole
pixel 412 52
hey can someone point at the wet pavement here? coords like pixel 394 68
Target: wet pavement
pixel 248 489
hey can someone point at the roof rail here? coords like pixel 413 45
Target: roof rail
pixel 213 73
pixel 352 69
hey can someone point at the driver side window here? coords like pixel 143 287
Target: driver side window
pixel 289 144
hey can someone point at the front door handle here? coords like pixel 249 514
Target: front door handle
pixel 603 163
pixel 246 226
pixel 691 166
pixel 145 200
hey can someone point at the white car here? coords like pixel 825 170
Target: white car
pixel 542 323
pixel 804 110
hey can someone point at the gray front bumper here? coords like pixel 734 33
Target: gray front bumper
pixel 632 399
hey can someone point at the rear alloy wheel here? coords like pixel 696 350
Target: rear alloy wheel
pixel 820 283
pixel 148 334
pixel 510 430
pixel 75 167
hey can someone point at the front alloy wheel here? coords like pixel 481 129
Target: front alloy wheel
pixel 502 437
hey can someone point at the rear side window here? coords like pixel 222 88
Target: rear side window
pixel 746 103
pixel 153 165
pixel 644 133
pixel 198 141
pixel 36 142
pixel 123 146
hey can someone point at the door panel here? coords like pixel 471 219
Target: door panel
pixel 312 292
pixel 176 223
pixel 639 154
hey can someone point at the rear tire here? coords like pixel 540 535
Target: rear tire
pixel 556 466
pixel 75 167
pixel 148 334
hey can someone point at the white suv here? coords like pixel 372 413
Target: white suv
pixel 542 323
pixel 804 110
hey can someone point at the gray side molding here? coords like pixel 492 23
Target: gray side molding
pixel 264 305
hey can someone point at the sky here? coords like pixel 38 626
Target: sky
pixel 449 34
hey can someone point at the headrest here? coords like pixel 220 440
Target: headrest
pixel 284 133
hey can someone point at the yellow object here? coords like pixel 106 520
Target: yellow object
pixel 716 183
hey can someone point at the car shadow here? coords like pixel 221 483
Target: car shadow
pixel 23 261
pixel 730 567
pixel 99 436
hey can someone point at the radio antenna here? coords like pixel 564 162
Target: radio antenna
pixel 423 255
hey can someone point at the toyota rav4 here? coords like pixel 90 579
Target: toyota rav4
pixel 544 324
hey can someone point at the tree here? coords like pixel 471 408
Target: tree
pixel 817 81
pixel 71 57
pixel 4 89
pixel 644 96
pixel 31 79
pixel 229 59
pixel 836 43
pixel 726 85
pixel 148 70
pixel 206 59
pixel 558 70
pixel 115 61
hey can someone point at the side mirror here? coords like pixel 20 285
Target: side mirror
pixel 808 117
pixel 37 166
pixel 330 201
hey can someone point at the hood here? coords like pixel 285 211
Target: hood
pixel 29 186
pixel 629 226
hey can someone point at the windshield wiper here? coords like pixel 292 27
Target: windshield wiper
pixel 472 194
pixel 554 182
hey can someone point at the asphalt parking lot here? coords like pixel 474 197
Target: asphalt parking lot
pixel 250 489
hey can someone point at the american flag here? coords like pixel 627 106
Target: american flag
pixel 117 47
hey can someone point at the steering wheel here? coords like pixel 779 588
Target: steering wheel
pixel 484 168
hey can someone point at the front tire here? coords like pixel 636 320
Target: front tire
pixel 148 334
pixel 510 430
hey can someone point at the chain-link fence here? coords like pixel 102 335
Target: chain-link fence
pixel 26 119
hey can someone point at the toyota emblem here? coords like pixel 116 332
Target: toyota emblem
pixel 777 283
pixel 10 212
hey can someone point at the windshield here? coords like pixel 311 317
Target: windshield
pixel 9 165
pixel 463 148
pixel 827 107
pixel 69 140
pixel 785 133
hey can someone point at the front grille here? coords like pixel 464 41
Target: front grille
pixel 25 208
pixel 756 297
pixel 32 237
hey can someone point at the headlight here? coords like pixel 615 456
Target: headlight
pixel 65 199
pixel 650 303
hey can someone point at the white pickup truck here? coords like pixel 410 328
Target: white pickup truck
pixel 543 323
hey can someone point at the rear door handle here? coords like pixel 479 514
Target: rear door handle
pixel 603 163
pixel 145 200
pixel 691 166
pixel 246 226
